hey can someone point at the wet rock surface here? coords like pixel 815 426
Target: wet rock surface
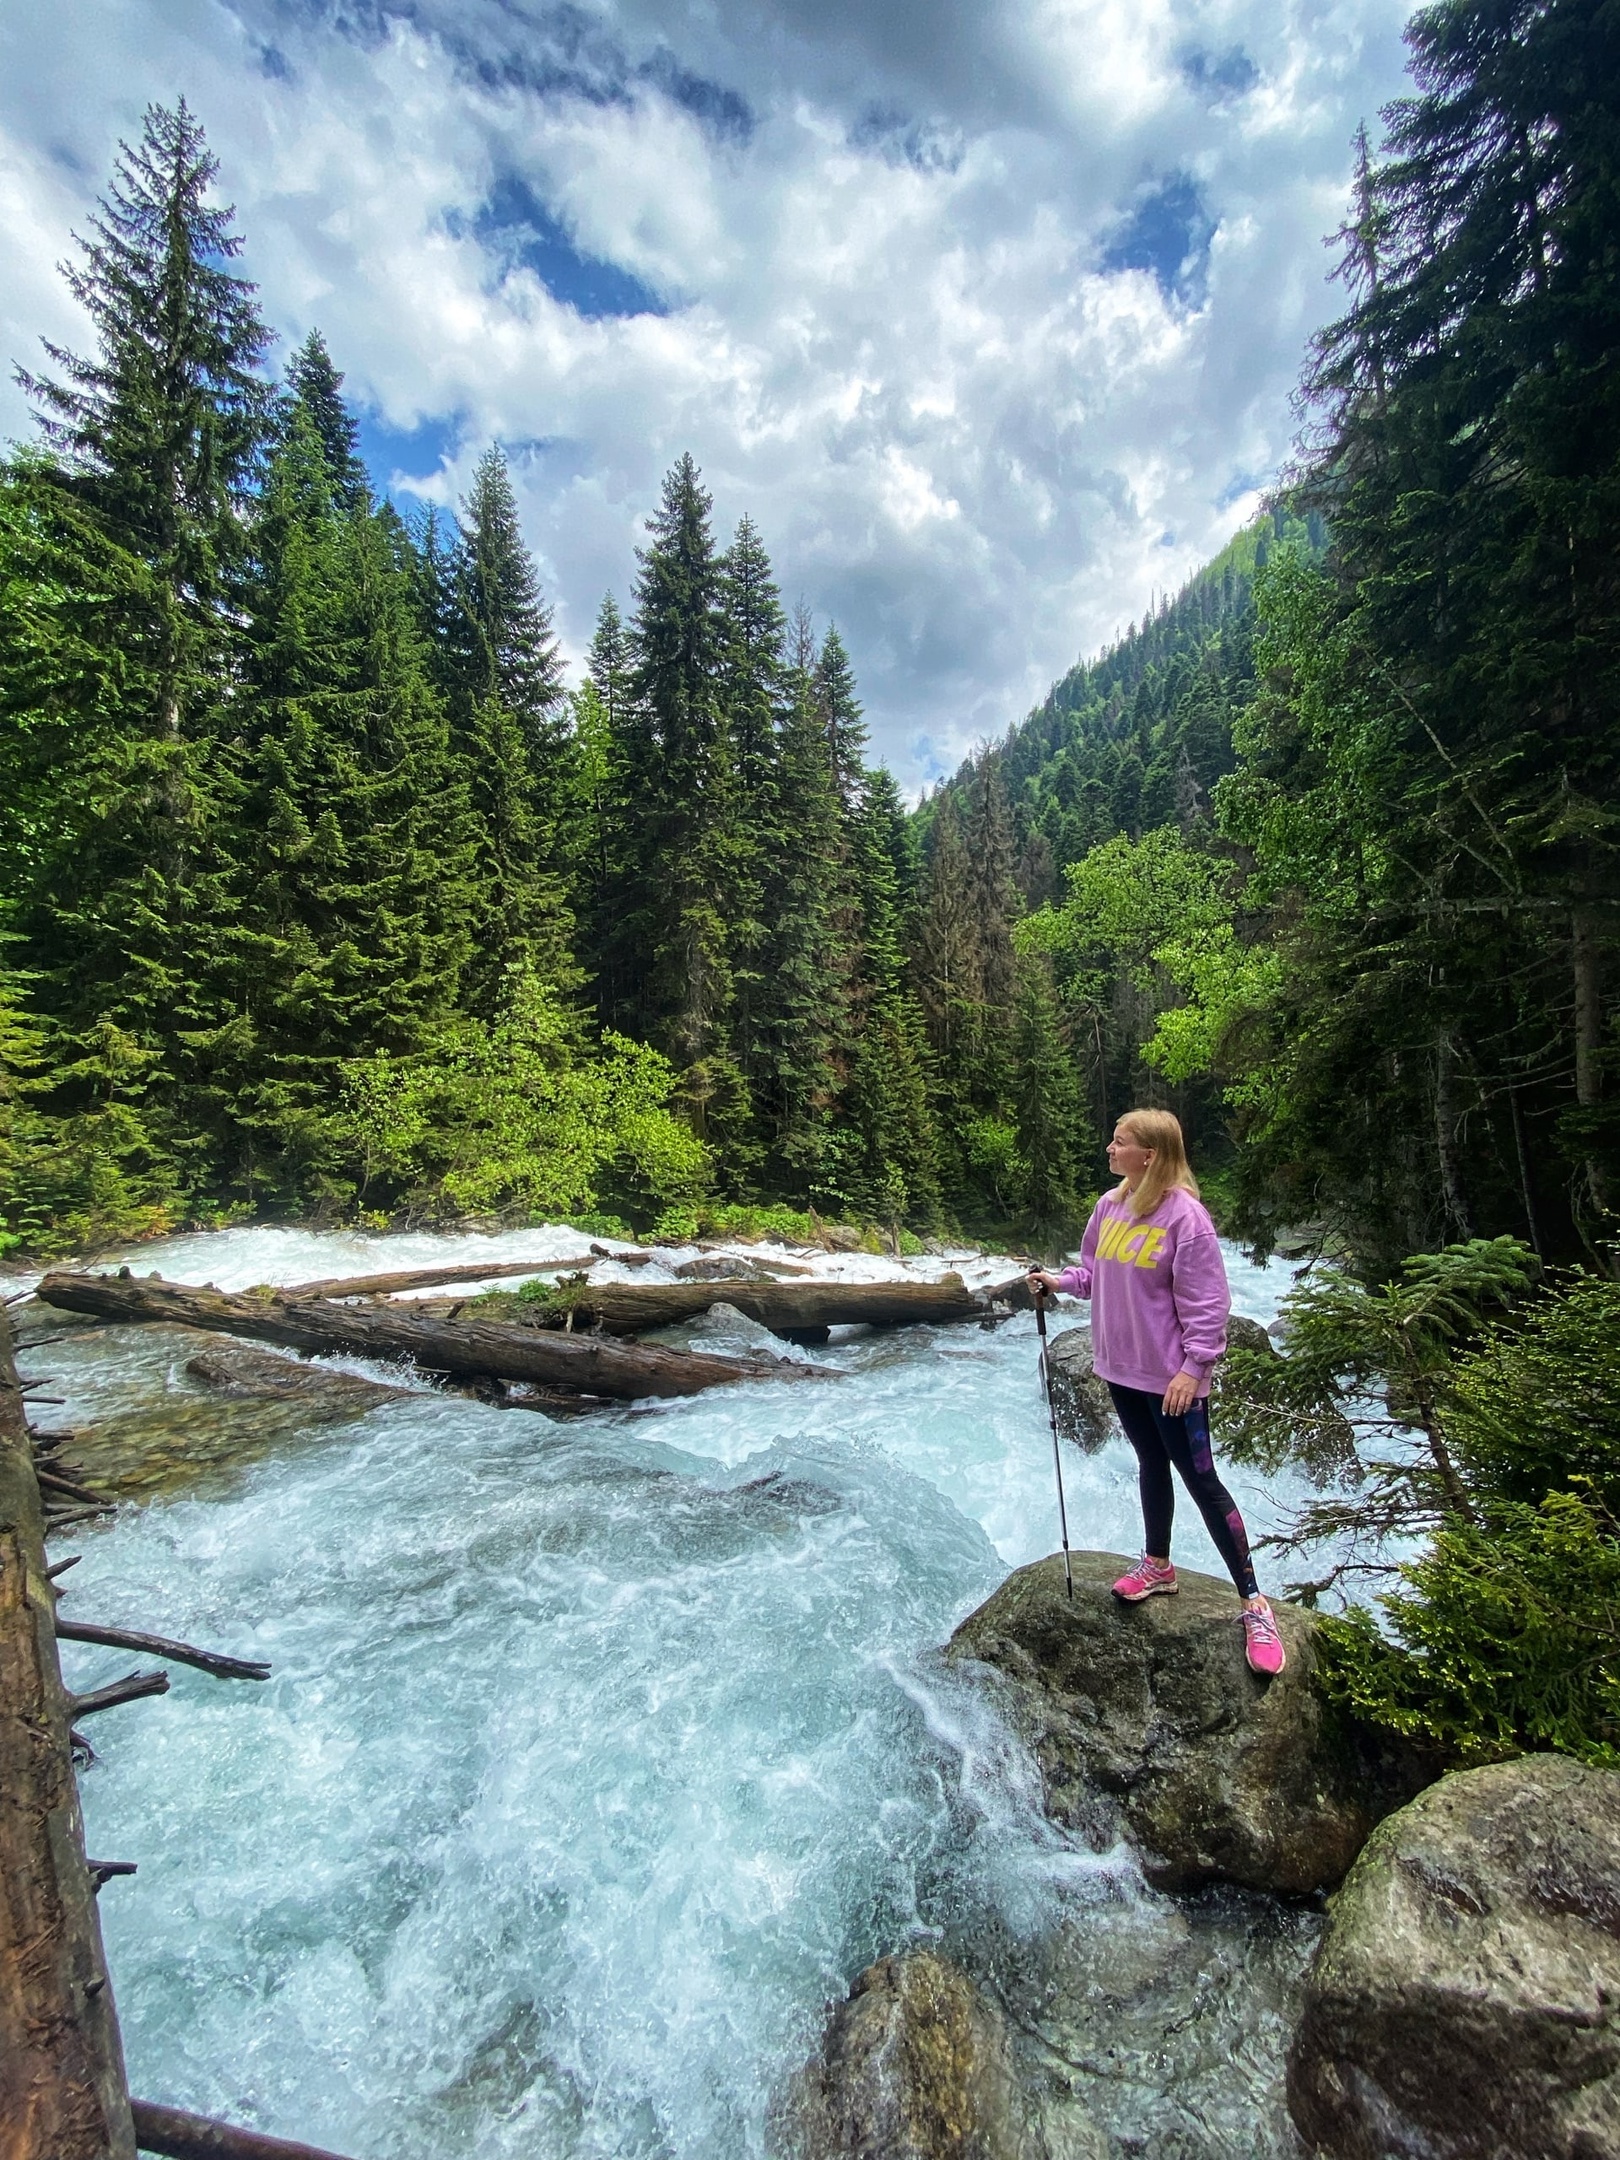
pixel 1465 2003
pixel 1148 1716
pixel 1084 1407
pixel 1167 2020
pixel 918 2065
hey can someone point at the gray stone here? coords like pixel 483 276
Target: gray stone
pixel 1244 1334
pixel 1085 1410
pixel 1147 1716
pixel 917 2065
pixel 1465 2002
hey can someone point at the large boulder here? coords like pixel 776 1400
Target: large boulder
pixel 1085 1409
pixel 1148 1715
pixel 1465 2001
pixel 917 2065
pixel 1080 1401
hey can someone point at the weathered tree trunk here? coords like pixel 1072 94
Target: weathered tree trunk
pixel 785 1308
pixel 178 2135
pixel 62 2091
pixel 1445 1134
pixel 234 1370
pixel 470 1349
pixel 342 1286
pixel 1527 1189
pixel 1588 1039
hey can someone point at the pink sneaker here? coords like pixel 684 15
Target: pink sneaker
pixel 1262 1642
pixel 1149 1578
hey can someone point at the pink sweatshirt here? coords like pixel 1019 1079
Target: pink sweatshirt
pixel 1157 1285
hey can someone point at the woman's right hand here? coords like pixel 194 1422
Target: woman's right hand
pixel 1041 1283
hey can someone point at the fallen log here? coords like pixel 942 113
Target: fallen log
pixel 342 1286
pixel 179 1653
pixel 465 1349
pixel 177 2135
pixel 235 1370
pixel 61 2060
pixel 786 1308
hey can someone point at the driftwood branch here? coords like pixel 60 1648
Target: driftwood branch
pixel 104 1870
pixel 176 2135
pixel 469 1349
pixel 208 1661
pixel 130 1689
pixel 61 2062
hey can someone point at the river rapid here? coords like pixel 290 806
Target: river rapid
pixel 601 1754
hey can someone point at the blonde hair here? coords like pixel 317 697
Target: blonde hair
pixel 1159 1130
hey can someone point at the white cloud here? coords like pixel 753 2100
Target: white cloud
pixel 892 336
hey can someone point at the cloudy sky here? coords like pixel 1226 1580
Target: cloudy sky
pixel 988 311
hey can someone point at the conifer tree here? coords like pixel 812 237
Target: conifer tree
pixel 690 805
pixel 317 386
pixel 753 688
pixel 841 711
pixel 504 645
pixel 806 1014
pixel 1053 1130
pixel 509 726
pixel 157 435
pixel 359 872
pixel 619 913
pixel 889 1077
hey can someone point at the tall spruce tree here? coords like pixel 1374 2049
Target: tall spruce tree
pixel 841 716
pixel 317 388
pixel 157 435
pixel 509 722
pixel 753 688
pixel 358 869
pixel 889 1079
pixel 1431 769
pixel 505 647
pixel 620 909
pixel 806 1013
pixel 690 812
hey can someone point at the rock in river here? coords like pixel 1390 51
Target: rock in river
pixel 1151 1710
pixel 1085 1409
pixel 917 2065
pixel 1465 2002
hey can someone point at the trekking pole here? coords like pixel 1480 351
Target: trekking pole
pixel 1057 1459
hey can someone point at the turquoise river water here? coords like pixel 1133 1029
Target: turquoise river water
pixel 600 1755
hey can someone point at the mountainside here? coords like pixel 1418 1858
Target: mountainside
pixel 1137 738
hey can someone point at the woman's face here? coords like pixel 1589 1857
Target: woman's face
pixel 1127 1157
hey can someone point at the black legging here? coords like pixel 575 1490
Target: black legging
pixel 1160 1441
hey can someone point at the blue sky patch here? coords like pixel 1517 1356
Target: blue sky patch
pixel 1167 232
pixel 521 232
pixel 415 453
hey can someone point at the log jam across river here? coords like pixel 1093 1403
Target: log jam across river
pixel 600 1755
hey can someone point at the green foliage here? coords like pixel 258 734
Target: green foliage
pixel 1383 1356
pixel 506 1119
pixel 1536 1409
pixel 1503 1641
pixel 1502 1633
pixel 1429 775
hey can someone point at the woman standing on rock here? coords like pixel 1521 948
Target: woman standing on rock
pixel 1151 1265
